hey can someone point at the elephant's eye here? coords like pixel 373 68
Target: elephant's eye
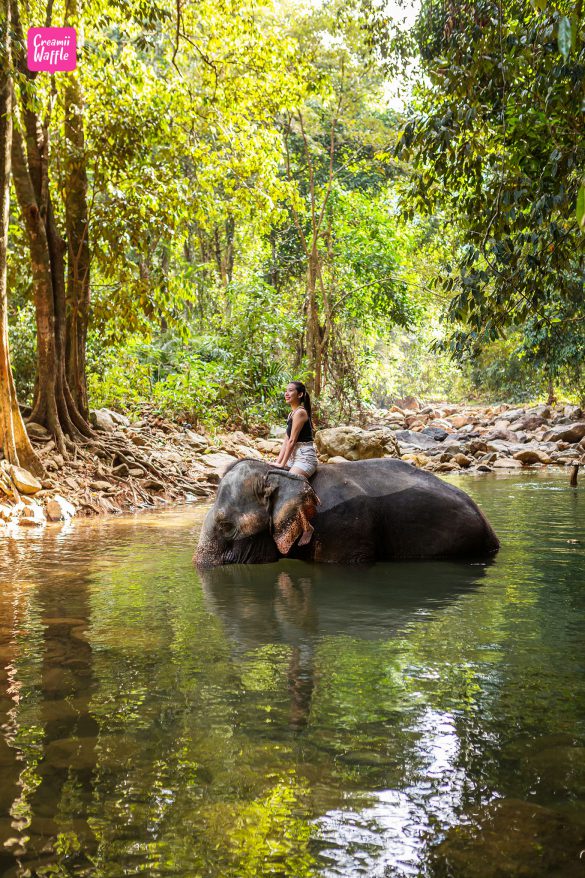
pixel 223 522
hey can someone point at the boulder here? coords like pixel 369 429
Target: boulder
pixel 462 460
pixel 218 461
pixel 352 443
pixel 37 431
pixel 59 509
pixel 101 485
pixel 417 440
pixel 24 481
pixel 460 420
pixel 121 420
pixel 573 412
pixel 438 433
pixel 195 440
pixel 337 459
pixel 531 455
pixel 566 432
pixel 31 515
pixel 268 446
pixel 102 420
pixel 408 402
pixel 529 422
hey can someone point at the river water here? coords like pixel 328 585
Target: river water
pixel 421 719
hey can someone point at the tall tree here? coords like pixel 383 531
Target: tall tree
pixel 77 225
pixel 54 405
pixel 14 439
pixel 496 136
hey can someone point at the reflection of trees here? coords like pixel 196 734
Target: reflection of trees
pixel 200 730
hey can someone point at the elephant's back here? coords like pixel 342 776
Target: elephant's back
pixel 415 514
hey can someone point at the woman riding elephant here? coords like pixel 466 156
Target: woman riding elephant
pixel 361 511
pixel 298 454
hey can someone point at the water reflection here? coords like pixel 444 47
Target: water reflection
pixel 297 604
pixel 305 721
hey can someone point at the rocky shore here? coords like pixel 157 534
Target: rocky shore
pixel 152 462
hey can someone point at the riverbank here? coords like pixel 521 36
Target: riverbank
pixel 151 462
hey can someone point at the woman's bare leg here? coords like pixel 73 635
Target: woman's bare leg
pixel 308 529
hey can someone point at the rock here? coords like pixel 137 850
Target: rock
pixel 59 509
pixel 121 470
pixel 135 471
pixel 573 412
pixel 438 433
pixel 356 444
pixel 566 433
pixel 102 419
pixel 37 431
pixel 337 458
pixel 477 445
pixel 6 512
pixel 247 451
pixel 24 481
pixel 32 515
pixel 484 468
pixel 277 432
pixel 459 420
pixel 446 467
pixel 55 463
pixel 462 460
pixel 529 422
pixel 101 486
pixel 418 440
pixel 218 461
pixel 420 460
pixel 153 485
pixel 268 446
pixel 408 402
pixel 117 418
pixel 195 440
pixel 531 455
pixel 507 463
pixel 514 414
pixel 137 439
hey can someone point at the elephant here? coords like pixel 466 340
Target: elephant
pixel 361 511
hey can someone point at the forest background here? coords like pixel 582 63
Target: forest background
pixel 223 197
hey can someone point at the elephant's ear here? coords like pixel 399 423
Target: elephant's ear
pixel 293 505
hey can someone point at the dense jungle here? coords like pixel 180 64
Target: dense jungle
pixel 386 202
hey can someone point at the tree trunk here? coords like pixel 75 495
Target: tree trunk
pixel 77 225
pixel 54 406
pixel 313 334
pixel 14 440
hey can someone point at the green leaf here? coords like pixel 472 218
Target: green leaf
pixel 581 207
pixel 565 37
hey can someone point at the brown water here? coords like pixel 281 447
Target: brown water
pixel 293 720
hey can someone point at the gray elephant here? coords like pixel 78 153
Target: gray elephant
pixel 361 511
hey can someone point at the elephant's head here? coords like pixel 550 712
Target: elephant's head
pixel 259 512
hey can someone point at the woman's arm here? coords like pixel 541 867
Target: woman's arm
pixel 299 418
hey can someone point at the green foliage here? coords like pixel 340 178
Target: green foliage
pixel 23 347
pixel 496 137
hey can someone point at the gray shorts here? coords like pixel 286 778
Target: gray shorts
pixel 304 458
